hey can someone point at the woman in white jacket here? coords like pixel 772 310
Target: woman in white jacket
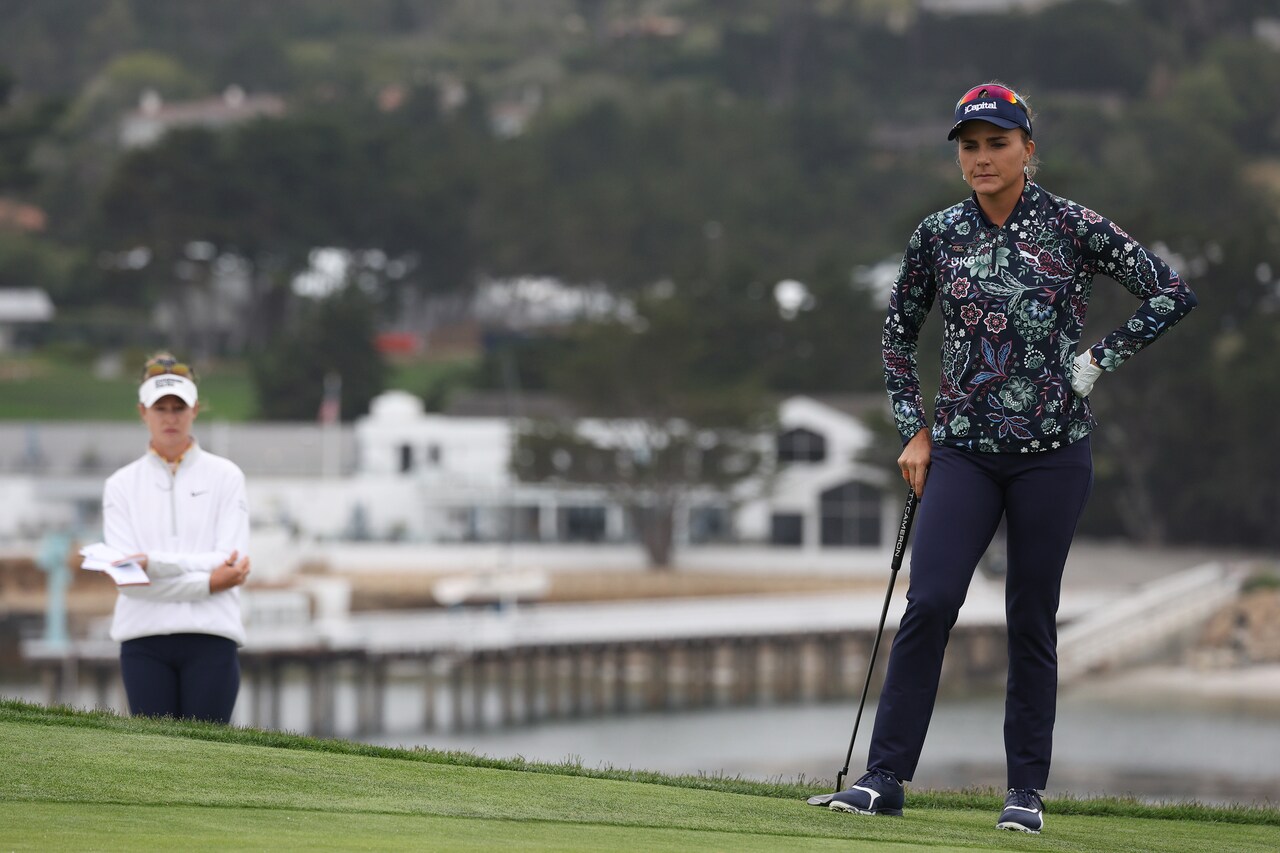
pixel 182 513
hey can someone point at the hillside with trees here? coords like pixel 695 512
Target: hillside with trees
pixel 685 156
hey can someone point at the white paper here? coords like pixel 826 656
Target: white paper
pixel 102 552
pixel 101 557
pixel 128 574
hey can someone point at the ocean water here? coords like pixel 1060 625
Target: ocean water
pixel 1157 750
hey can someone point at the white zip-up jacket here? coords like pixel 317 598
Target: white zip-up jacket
pixel 187 523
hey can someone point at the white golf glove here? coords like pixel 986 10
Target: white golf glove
pixel 1084 373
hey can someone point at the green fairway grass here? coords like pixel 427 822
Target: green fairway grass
pixel 48 388
pixel 76 781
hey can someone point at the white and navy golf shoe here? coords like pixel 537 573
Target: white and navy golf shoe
pixel 878 792
pixel 1023 811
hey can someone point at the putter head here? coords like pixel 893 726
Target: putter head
pixel 821 800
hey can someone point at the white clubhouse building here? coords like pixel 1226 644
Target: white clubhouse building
pixel 404 476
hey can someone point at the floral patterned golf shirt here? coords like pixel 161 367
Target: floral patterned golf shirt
pixel 1013 301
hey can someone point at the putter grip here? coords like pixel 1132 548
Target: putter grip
pixel 904 528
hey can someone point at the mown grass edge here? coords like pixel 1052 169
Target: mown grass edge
pixel 15 710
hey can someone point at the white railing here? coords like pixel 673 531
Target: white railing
pixel 1131 627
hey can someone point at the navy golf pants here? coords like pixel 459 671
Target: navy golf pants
pixel 1041 496
pixel 185 676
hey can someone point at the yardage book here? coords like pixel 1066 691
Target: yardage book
pixel 101 557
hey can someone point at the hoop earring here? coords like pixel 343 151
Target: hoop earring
pixel 1026 169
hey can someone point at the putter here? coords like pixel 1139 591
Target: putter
pixel 904 530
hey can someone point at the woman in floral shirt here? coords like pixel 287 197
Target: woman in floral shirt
pixel 1012 267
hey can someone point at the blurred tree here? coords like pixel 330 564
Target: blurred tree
pixel 159 200
pixel 330 336
pixel 274 190
pixel 832 344
pixel 1196 23
pixel 256 60
pixel 1167 439
pixel 1251 73
pixel 85 144
pixel 1122 44
pixel 288 187
pixel 111 31
pixel 680 420
pixel 626 196
pixel 27 261
pixel 755 142
pixel 22 127
pixel 1236 496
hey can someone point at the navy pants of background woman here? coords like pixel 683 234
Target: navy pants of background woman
pixel 1041 496
pixel 184 676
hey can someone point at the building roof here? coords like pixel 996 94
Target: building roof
pixel 154 118
pixel 500 404
pixel 983 7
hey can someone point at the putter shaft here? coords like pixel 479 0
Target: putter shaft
pixel 904 531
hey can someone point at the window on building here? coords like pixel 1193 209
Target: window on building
pixel 433 454
pixel 801 445
pixel 580 523
pixel 406 458
pixel 851 515
pixel 709 524
pixel 786 528
pixel 522 523
pixel 462 525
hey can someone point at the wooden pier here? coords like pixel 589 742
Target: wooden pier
pixel 347 692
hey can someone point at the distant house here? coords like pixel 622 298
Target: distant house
pixel 542 302
pixel 403 474
pixel 153 118
pixel 824 496
pixel 498 309
pixel 509 117
pixel 455 481
pixel 22 310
